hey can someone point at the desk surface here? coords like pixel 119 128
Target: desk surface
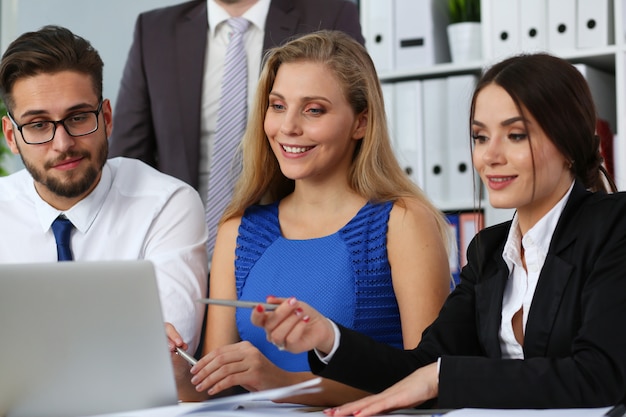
pixel 268 408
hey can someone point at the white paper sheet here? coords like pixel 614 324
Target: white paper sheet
pixel 257 403
pixel 564 412
pixel 234 402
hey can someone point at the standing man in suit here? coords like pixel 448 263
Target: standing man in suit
pixel 166 111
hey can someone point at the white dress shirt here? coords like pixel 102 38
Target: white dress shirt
pixel 135 212
pixel 521 285
pixel 218 38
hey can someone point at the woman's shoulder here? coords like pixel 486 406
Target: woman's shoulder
pixel 586 209
pixel 411 204
pixel 489 240
pixel 600 210
pixel 232 223
pixel 414 210
pixel 602 200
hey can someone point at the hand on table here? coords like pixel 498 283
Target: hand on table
pixel 420 386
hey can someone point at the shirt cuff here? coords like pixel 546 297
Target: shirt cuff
pixel 326 359
pixel 438 367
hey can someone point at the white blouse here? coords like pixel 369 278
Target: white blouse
pixel 521 284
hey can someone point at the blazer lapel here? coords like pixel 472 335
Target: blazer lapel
pixel 553 279
pixel 544 308
pixel 545 305
pixel 489 292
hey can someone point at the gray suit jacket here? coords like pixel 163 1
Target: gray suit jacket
pixel 574 342
pixel 157 114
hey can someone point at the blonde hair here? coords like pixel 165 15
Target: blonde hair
pixel 375 173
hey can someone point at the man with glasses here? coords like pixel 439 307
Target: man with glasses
pixel 120 209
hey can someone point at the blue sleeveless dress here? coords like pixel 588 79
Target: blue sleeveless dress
pixel 346 276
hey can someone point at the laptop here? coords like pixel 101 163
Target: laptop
pixel 82 338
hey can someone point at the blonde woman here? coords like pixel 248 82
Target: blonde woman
pixel 322 211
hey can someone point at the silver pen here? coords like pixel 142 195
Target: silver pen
pixel 238 303
pixel 186 356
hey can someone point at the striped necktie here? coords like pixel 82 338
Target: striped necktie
pixel 225 164
pixel 62 229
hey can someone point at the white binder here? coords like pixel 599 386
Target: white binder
pixel 561 26
pixel 420 33
pixel 409 144
pixel 505 24
pixel 461 179
pixel 434 108
pixel 594 23
pixel 389 99
pixel 377 25
pixel 533 25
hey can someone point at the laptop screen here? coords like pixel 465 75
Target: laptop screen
pixel 82 338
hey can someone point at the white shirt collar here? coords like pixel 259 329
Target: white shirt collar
pixel 540 235
pixel 256 14
pixel 83 213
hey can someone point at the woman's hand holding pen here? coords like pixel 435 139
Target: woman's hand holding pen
pixel 226 367
pixel 237 364
pixel 295 326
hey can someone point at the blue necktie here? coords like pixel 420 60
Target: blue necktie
pixel 62 229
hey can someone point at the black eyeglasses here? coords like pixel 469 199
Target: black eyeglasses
pixel 78 124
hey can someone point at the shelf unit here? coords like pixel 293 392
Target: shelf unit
pixel 610 59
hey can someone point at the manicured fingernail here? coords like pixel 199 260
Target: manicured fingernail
pixel 292 301
pixel 306 319
pixel 299 311
pixel 260 308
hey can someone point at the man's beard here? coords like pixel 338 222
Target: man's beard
pixel 70 189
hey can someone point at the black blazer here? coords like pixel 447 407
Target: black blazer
pixel 575 338
pixel 157 113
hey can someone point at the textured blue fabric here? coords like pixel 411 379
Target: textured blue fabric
pixel 346 276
